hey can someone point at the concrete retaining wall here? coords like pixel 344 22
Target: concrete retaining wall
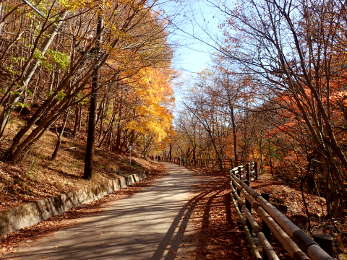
pixel 29 214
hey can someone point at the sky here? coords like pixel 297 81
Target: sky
pixel 191 56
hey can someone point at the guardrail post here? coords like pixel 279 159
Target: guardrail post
pixel 239 172
pixel 238 191
pixel 248 177
pixel 326 242
pixel 248 182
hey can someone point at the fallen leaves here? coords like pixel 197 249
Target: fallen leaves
pixel 70 218
pixel 218 234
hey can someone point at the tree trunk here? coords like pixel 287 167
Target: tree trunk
pixel 77 124
pixel 1 17
pixel 5 115
pixel 59 136
pixel 88 160
pixel 232 115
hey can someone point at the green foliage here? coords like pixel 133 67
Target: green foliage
pixel 29 92
pixel 12 70
pixel 17 59
pixel 38 55
pixel 42 6
pixel 21 104
pixel 82 101
pixel 60 58
pixel 61 94
pixel 47 65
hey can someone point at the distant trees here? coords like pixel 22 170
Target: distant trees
pixel 215 116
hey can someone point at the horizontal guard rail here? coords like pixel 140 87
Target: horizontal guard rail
pixel 297 243
pixel 204 163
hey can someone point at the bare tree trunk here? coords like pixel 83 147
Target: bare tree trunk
pixel 232 115
pixel 59 136
pixel 119 131
pixel 170 151
pixel 77 124
pixel 1 16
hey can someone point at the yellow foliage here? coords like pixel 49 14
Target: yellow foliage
pixel 75 4
pixel 154 92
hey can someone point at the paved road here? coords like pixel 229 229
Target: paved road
pixel 151 224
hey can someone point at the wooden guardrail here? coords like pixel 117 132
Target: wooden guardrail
pixel 201 163
pixel 251 206
pixel 247 172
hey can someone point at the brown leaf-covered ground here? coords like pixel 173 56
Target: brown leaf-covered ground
pixel 290 197
pixel 216 232
pixel 70 217
pixel 219 235
pixel 38 177
pixel 317 222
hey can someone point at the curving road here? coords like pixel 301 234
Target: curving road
pixel 151 224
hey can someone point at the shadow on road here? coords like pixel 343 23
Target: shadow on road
pixel 213 231
pixel 218 236
pixel 163 221
pixel 172 239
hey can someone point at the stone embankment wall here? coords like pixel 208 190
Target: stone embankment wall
pixel 29 214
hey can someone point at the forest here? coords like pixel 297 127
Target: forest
pixel 276 94
pixel 59 57
pixel 97 78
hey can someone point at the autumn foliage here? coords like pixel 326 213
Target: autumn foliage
pixel 276 94
pixel 49 55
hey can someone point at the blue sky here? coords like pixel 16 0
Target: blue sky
pixel 192 56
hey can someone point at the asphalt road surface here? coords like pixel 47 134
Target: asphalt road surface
pixel 151 224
